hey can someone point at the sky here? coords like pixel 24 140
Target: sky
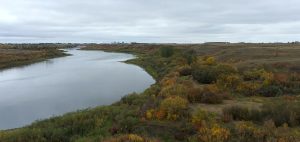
pixel 150 21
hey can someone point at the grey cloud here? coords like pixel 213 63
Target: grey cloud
pixel 149 20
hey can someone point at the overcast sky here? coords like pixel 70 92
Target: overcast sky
pixel 180 21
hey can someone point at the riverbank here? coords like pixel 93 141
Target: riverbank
pixel 14 55
pixel 224 93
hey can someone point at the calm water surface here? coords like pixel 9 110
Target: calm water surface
pixel 57 86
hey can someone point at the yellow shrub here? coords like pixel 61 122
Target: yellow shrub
pixel 200 117
pixel 214 134
pixel 220 134
pixel 150 113
pixel 210 61
pixel 174 107
pixel 229 81
pixel 135 138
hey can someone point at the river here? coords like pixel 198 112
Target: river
pixel 57 86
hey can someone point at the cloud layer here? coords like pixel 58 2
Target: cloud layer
pixel 188 21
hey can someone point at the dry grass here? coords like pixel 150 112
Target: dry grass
pixel 217 108
pixel 17 57
pixel 276 57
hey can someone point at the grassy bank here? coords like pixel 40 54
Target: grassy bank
pixel 12 55
pixel 204 92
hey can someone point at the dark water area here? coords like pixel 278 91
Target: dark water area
pixel 57 86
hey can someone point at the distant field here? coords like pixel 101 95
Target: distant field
pixel 12 55
pixel 278 57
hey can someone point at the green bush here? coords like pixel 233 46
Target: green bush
pixel 270 91
pixel 166 51
pixel 190 56
pixel 243 113
pixel 280 113
pixel 208 74
pixel 209 95
pixel 204 74
pixel 133 99
pixel 185 71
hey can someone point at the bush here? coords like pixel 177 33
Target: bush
pixel 175 107
pixel 194 94
pixel 190 56
pixel 248 88
pixel 200 117
pixel 174 90
pixel 254 74
pixel 166 51
pixel 280 113
pixel 209 60
pixel 225 69
pixel 185 71
pixel 283 112
pixel 208 74
pixel 133 99
pixel 229 82
pixel 270 91
pixel 242 113
pixel 130 138
pixel 208 94
pixel 210 97
pixel 204 74
pixel 214 133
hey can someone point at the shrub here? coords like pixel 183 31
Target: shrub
pixel 130 138
pixel 248 88
pixel 268 78
pixel 254 74
pixel 185 71
pixel 270 91
pixel 194 94
pixel 247 132
pixel 209 94
pixel 213 134
pixel 210 97
pixel 200 117
pixel 175 107
pixel 204 74
pixel 166 51
pixel 209 60
pixel 208 74
pixel 225 69
pixel 282 112
pixel 133 99
pixel 229 82
pixel 190 56
pixel 242 113
pixel 174 90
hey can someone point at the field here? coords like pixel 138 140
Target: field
pixel 213 92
